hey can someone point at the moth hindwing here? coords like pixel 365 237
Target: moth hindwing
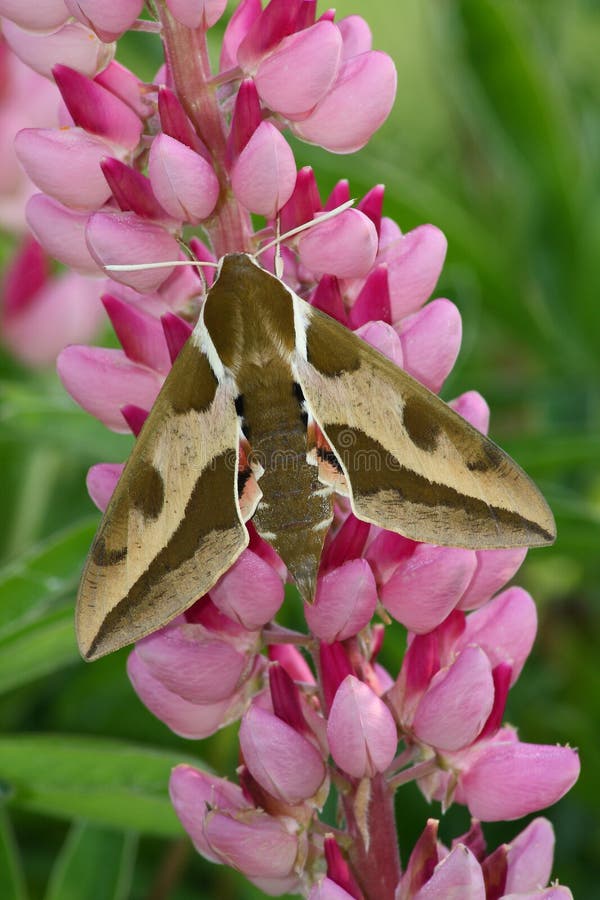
pixel 320 411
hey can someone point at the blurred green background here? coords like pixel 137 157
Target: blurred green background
pixel 495 138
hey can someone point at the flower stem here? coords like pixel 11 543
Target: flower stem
pixel 376 862
pixel 186 53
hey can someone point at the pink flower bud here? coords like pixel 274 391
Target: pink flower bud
pixel 276 21
pixel 246 117
pixel 183 181
pixel 175 122
pixel 190 720
pixel 509 779
pixel 192 792
pixel 430 343
pixel 300 71
pixel 197 13
pixel 197 664
pixel 345 602
pixel 73 45
pixel 472 407
pixel 326 889
pixel 347 543
pixel 291 660
pixel 135 417
pixel 373 301
pixel 328 298
pixel 360 729
pixel 41 16
pixel 125 239
pixel 304 203
pixel 103 381
pixel 284 763
pixel 55 313
pixel 61 231
pixel 101 481
pixel 140 334
pixel 109 20
pixel 250 592
pixel 98 110
pixel 344 246
pixel 383 337
pixel 425 588
pixel 357 104
pixel 414 263
pixel 494 569
pixel 356 36
pixel 505 628
pixel 132 191
pixel 65 164
pixel 458 875
pixel 264 174
pixel 530 857
pixel 455 706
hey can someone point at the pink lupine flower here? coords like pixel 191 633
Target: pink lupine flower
pixel 72 44
pixel 427 356
pixel 42 16
pixel 345 602
pixel 235 592
pixel 456 876
pixel 101 481
pixel 197 13
pixel 264 174
pixel 183 181
pixel 414 262
pixel 361 731
pixel 344 246
pixel 62 232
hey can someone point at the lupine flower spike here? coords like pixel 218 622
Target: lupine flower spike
pixel 197 164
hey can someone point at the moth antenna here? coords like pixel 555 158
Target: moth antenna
pixel 330 214
pixel 278 257
pixel 136 267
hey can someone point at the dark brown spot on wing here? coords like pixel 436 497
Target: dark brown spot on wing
pixel 147 490
pixel 372 470
pixel 331 348
pixel 192 383
pixel 490 458
pixel 107 556
pixel 421 424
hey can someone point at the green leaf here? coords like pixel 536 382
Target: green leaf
pixel 95 863
pixel 112 783
pixel 37 594
pixel 12 884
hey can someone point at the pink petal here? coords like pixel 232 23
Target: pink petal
pixel 40 16
pixel 300 71
pixel 65 164
pixel 62 233
pixel 356 36
pixel 510 780
pixel 505 628
pixel 175 122
pixel 192 792
pixel 133 192
pixel 121 82
pixel 530 857
pixel 109 20
pixel 103 381
pixel 360 729
pixel 197 13
pixel 414 263
pixel 425 588
pixel 291 660
pixel 383 337
pixel 494 569
pixel 237 28
pixel 189 720
pixel 276 21
pixel 183 181
pixel 326 889
pixel 264 174
pixel 194 663
pixel 250 592
pixel 65 310
pixel 140 334
pixel 98 110
pixel 72 45
pixel 457 877
pixel 357 104
pixel 345 602
pixel 457 703
pixel 283 762
pixel 373 301
pixel 472 407
pixel 125 239
pixel 327 297
pixel 101 481
pixel 430 343
pixel 257 845
pixel 344 246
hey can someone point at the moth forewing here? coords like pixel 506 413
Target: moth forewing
pixel 413 465
pixel 173 524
